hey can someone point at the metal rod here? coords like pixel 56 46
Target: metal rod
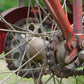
pixel 77 16
pixel 34 69
pixel 60 16
pixel 22 66
pixel 48 80
pixel 24 32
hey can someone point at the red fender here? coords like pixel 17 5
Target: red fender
pixel 12 16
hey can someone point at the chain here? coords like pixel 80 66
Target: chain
pixel 59 70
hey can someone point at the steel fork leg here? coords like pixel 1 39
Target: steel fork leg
pixel 77 16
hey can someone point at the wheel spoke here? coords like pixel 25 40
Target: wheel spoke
pixel 10 59
pixel 29 64
pixel 78 80
pixel 54 79
pixel 33 69
pixel 48 80
pixel 33 75
pixel 39 78
pixel 12 50
pixel 28 14
pixel 22 66
pixel 22 77
pixel 21 63
pixel 60 81
pixel 35 13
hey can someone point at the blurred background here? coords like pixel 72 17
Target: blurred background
pixel 7 4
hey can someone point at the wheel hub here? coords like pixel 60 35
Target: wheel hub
pixel 36 42
pixel 56 58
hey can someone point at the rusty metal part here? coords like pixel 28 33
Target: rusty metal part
pixel 82 43
pixel 81 56
pixel 64 72
pixel 60 16
pixel 56 61
pixel 37 43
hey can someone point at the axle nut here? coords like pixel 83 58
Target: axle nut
pixel 73 44
pixel 82 43
pixel 48 54
pixel 81 55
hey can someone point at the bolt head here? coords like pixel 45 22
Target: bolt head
pixel 48 54
pixel 73 44
pixel 51 39
pixel 81 55
pixel 82 43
